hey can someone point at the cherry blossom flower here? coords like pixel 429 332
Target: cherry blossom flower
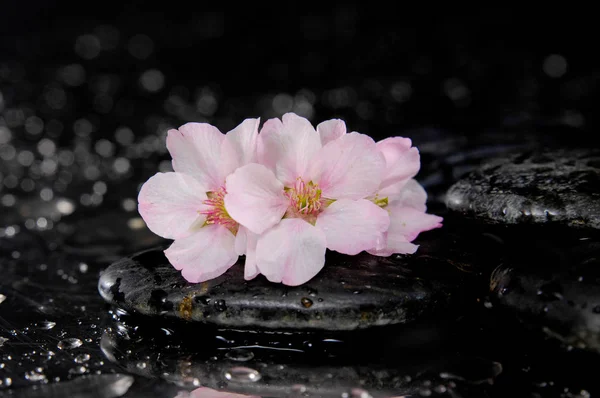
pixel 187 205
pixel 308 194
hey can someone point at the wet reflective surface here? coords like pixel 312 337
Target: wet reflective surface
pixel 86 100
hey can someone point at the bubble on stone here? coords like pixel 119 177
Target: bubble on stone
pixel 555 65
pixel 239 354
pixel 87 46
pixel 241 374
pixel 69 344
pixel 140 46
pixel 47 325
pixel 35 375
pixel 141 365
pixel 78 370
pixel 81 358
pixel 152 80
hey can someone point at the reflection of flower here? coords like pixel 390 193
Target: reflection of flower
pixel 187 204
pixel 204 392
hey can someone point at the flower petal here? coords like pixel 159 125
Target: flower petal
pixel 406 193
pixel 268 143
pixel 402 160
pixel 290 151
pixel 291 252
pixel 205 255
pixel 239 146
pixel 350 167
pixel 352 226
pixel 330 130
pixel 169 204
pixel 196 150
pixel 255 198
pixel 204 392
pixel 250 268
pixel 410 222
pixel 392 245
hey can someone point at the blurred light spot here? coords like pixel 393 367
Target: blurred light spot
pixel 46 194
pixel 7 152
pixel 8 200
pixel 29 223
pixel 72 75
pixel 91 172
pixel 27 185
pixel 104 148
pixel 5 135
pixel 34 125
pixel 11 181
pixel 152 80
pixel 364 110
pixel 108 35
pixel 573 118
pixel 303 108
pixel 282 103
pixel 46 147
pixel 100 187
pixel 65 206
pixel 124 136
pixel 25 158
pixel 48 167
pixel 87 46
pixel 401 91
pixel 83 127
pixel 307 95
pixel 42 223
pixel 121 165
pixel 206 102
pixel 1 101
pixel 555 65
pixel 66 157
pixel 136 223
pixel 340 97
pixel 456 90
pixel 86 199
pixel 129 204
pixel 55 97
pixel 140 46
pixel 14 117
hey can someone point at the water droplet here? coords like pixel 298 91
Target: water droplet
pixel 220 305
pixel 141 365
pixel 240 355
pixel 81 358
pixel 2 298
pixel 241 374
pixel 69 344
pixel 306 302
pixel 35 375
pixel 78 370
pixel 47 325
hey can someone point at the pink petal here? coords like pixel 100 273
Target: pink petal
pixel 239 146
pixel 196 150
pixel 391 245
pixel 205 255
pixel 330 130
pixel 350 167
pixel 292 252
pixel 406 193
pixel 169 204
pixel 250 268
pixel 410 222
pixel 402 160
pixel 352 226
pixel 255 198
pixel 268 143
pixel 290 151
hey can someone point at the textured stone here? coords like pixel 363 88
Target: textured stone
pixel 559 186
pixel 555 288
pixel 352 292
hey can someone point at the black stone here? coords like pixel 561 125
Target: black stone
pixel 556 292
pixel 558 186
pixel 351 292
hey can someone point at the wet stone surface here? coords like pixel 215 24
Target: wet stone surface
pixel 558 186
pixel 336 299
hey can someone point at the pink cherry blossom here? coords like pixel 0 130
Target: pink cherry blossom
pixel 187 205
pixel 308 194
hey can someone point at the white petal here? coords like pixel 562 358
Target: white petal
pixel 402 160
pixel 352 226
pixel 250 268
pixel 407 194
pixel 292 252
pixel 330 130
pixel 350 167
pixel 196 150
pixel 255 198
pixel 268 143
pixel 205 255
pixel 239 146
pixel 169 204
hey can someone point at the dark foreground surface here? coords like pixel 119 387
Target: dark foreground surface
pixel 504 301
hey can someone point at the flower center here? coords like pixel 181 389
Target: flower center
pixel 305 200
pixel 216 212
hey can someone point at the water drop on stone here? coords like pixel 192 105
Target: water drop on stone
pixel 241 374
pixel 35 375
pixel 141 365
pixel 47 325
pixel 306 302
pixel 82 358
pixel 220 305
pixel 70 343
pixel 78 370
pixel 2 298
pixel 240 355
